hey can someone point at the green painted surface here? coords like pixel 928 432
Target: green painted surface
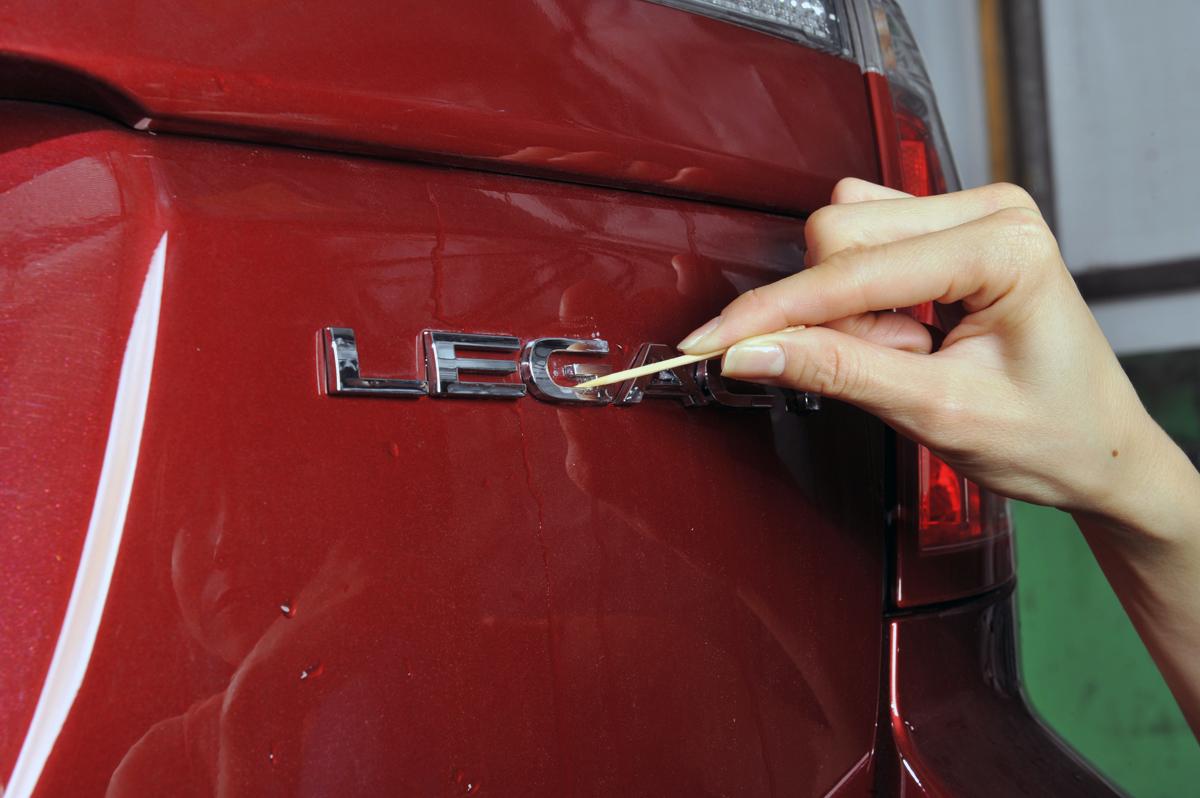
pixel 1085 670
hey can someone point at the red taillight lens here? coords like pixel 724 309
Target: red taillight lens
pixel 920 169
pixel 920 173
pixel 914 167
pixel 949 507
pixel 951 537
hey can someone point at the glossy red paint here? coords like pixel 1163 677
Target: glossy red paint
pixel 355 596
pixel 623 92
pixel 957 724
pixel 64 313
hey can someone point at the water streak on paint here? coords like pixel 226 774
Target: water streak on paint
pixel 435 256
pixel 560 724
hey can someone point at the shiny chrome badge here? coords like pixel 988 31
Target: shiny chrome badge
pixel 448 357
pixel 444 363
pixel 343 377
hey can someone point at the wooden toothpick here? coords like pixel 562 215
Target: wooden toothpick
pixel 664 365
pixel 649 368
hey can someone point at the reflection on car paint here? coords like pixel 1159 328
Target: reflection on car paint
pixel 516 596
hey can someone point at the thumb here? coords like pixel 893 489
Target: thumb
pixel 895 385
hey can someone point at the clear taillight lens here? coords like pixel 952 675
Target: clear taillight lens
pixel 820 24
pixel 886 46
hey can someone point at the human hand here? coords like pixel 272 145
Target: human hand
pixel 1024 396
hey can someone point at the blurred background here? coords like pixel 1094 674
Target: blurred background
pixel 1094 107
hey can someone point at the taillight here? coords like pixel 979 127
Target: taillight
pixel 948 505
pixel 819 24
pixel 952 537
pixel 914 153
pixel 920 167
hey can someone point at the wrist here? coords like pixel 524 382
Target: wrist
pixel 1151 493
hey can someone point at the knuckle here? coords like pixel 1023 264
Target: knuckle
pixel 1022 234
pixel 1009 195
pixel 820 220
pixel 848 189
pixel 947 412
pixel 833 372
pixel 840 260
pixel 833 230
pixel 1025 220
pixel 822 232
pixel 757 304
pixel 752 300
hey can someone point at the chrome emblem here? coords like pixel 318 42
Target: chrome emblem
pixel 343 377
pixel 447 358
pixel 444 364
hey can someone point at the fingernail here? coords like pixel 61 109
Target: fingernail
pixel 700 333
pixel 754 360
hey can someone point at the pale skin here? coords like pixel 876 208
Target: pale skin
pixel 1024 396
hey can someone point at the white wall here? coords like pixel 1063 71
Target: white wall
pixel 1123 91
pixel 1123 88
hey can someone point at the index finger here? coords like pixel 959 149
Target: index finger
pixel 877 219
pixel 978 262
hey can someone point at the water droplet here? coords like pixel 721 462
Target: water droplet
pixel 286 609
pixel 394 449
pixel 407 666
pixel 312 671
pixel 272 758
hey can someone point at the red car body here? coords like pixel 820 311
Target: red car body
pixel 220 579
